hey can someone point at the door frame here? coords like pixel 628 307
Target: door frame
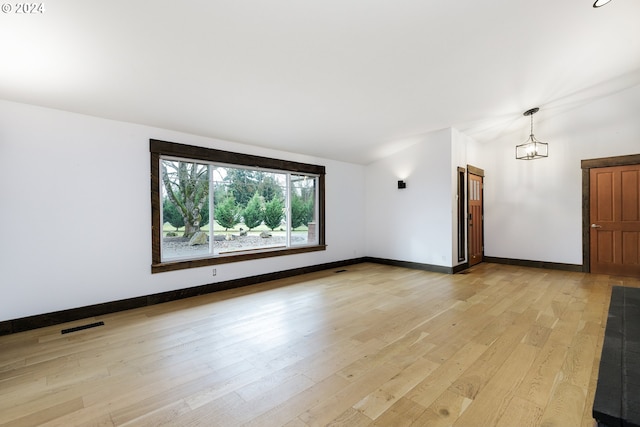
pixel 472 170
pixel 587 165
pixel 461 208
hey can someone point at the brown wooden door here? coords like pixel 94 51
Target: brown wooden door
pixel 476 244
pixel 615 220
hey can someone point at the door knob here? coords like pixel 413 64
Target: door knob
pixel 595 226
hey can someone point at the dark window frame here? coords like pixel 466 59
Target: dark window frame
pixel 159 148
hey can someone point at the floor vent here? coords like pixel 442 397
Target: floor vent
pixel 80 328
pixel 340 271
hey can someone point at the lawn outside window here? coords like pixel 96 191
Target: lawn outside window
pixel 211 207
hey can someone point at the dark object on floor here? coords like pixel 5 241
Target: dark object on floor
pixel 617 399
pixel 80 328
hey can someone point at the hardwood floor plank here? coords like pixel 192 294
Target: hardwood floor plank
pixel 377 402
pixel 217 413
pixel 165 415
pixel 538 383
pixel 444 411
pixel 484 368
pixel 84 417
pixel 493 399
pixel 430 388
pixel 402 413
pixel 400 354
pixel 374 345
pixel 43 415
pixel 331 407
pixel 261 404
pixel 350 418
pixel 214 389
pixel 520 412
pixel 565 406
pixel 288 411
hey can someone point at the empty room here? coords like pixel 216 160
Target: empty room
pixel 305 213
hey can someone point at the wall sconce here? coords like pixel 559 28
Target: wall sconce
pixel 401 184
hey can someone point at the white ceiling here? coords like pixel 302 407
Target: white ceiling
pixel 351 80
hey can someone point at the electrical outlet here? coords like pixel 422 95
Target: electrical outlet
pixel 214 272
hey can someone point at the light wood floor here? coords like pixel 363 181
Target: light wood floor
pixel 375 345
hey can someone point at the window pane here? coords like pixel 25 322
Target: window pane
pixel 303 210
pixel 213 207
pixel 249 210
pixel 185 209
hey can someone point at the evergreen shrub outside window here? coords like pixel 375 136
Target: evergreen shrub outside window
pixel 211 206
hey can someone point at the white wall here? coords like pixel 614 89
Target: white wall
pixel 413 224
pixel 75 212
pixel 533 209
pixel 75 203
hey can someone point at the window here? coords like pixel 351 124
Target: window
pixel 211 206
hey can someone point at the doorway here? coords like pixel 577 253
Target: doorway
pixel 475 205
pixel 611 215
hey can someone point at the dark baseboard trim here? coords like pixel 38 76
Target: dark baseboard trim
pixel 460 267
pixel 49 319
pixel 416 265
pixel 534 264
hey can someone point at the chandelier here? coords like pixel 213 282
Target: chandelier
pixel 532 149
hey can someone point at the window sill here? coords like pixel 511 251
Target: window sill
pixel 228 258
